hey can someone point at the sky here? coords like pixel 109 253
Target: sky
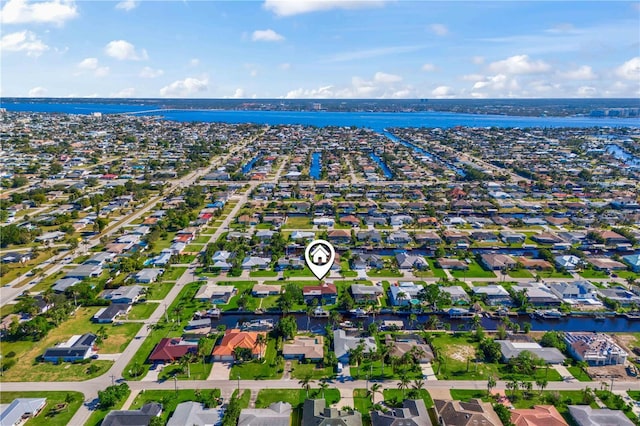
pixel 319 49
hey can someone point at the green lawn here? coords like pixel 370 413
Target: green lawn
pixel 395 398
pixel 298 223
pixel 634 394
pixel 306 272
pixel 305 370
pixel 579 374
pixel 592 273
pixel 28 368
pixel 387 273
pixel 194 248
pixel 475 271
pixel 141 311
pixel 259 369
pixel 615 402
pixel 346 271
pixel 554 274
pixel 172 274
pixel 99 414
pixel 198 370
pixel 202 239
pixel 520 273
pixel 49 416
pixel 170 399
pixel 362 403
pixel 264 274
pixel 374 370
pixel 437 271
pixel 159 290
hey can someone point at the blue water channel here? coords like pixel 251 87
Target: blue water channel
pixel 385 169
pixel 316 167
pixel 623 155
pixel 424 152
pixel 247 167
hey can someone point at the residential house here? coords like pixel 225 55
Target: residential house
pixel 402 293
pixel 510 237
pixel 594 348
pixel 316 413
pixel 497 261
pixel 405 343
pixel 77 348
pixel 343 343
pixel 16 257
pixel 413 413
pixel 457 294
pixel 235 338
pixel 171 349
pixel 362 261
pixel 547 238
pixel 539 415
pixel 148 275
pixel 140 417
pixel 264 290
pixel 350 220
pixel 325 294
pixel 606 264
pixel 20 410
pixel 310 348
pixel 512 349
pixel 85 271
pixel 584 415
pixel 454 264
pixel 399 237
pixel 265 234
pixel 371 235
pixel 576 292
pixel 63 284
pixel 216 294
pixel 363 293
pixel 472 413
pixel 568 262
pixel 619 295
pixel 493 295
pixel 255 262
pixel 195 414
pixel 277 414
pixel 538 264
pixel 302 235
pixel 111 312
pixel 123 294
pixel 324 221
pixel 339 236
pixel 633 260
pixel 411 261
pixel 613 238
pixel 538 294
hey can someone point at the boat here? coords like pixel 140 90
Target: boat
pixel 460 313
pixel 548 314
pixel 257 325
pixel 635 316
pixel 359 313
pixel 347 324
pixel 318 312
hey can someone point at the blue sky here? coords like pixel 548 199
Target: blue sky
pixel 320 49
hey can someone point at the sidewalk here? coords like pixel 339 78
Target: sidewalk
pixel 566 375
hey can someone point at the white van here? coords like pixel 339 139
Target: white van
pixel 339 368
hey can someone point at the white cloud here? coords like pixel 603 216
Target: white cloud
pixel 148 72
pixel 473 77
pixel 88 64
pixel 91 64
pixel 266 35
pixel 123 50
pixel 127 5
pixel 519 64
pixel 439 29
pixel 429 67
pixel 381 77
pixel 630 70
pixel 499 85
pixel 124 93
pixel 37 92
pixel 186 87
pixel 194 62
pixel 478 60
pixel 582 73
pixel 238 94
pixel 322 92
pixel 23 41
pixel 22 12
pixel 587 91
pixel 296 7
pixel 286 66
pixel 373 53
pixel 443 92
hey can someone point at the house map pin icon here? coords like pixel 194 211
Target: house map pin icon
pixel 319 255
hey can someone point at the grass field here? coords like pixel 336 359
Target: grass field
pixel 198 370
pixel 520 273
pixel 437 272
pixel 259 369
pixel 301 371
pixel 170 399
pixel 263 274
pixel 142 310
pixel 298 223
pixel 554 274
pixel 306 272
pixel 468 394
pixel 159 291
pixel 49 416
pixel 475 271
pixel 386 273
pixel 563 400
pixel 579 374
pixel 394 397
pixel 28 369
pixel 172 274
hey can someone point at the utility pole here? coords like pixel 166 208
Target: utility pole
pixel 175 383
pixel 113 380
pixel 238 377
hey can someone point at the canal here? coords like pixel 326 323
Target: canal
pixel 385 169
pixel 316 167
pixel 247 167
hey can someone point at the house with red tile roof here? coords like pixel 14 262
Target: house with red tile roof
pixel 235 338
pixel 539 415
pixel 172 348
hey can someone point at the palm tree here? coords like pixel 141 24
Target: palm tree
pixel 375 389
pixel 475 321
pixel 261 342
pixel 305 382
pixel 418 385
pixel 323 386
pixel 412 320
pixel 356 355
pixel 186 361
pixel 513 386
pixel 542 383
pixel 491 383
pixel 403 384
pixel 383 352
pixel 583 365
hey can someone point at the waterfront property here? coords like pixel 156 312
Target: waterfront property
pixel 594 348
pixel 511 349
pixel 233 339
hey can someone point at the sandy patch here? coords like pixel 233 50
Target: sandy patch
pixel 461 352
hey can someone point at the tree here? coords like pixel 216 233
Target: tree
pixel 513 386
pixel 356 356
pixel 403 384
pixel 490 350
pixel 261 342
pixel 323 385
pixel 242 354
pixel 542 383
pixel 553 339
pixel 503 413
pixel 491 383
pixel 305 382
pixel 111 395
pixel 287 327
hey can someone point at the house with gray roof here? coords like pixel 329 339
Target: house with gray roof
pixel 412 413
pixel 316 413
pixel 194 414
pixel 123 294
pixel 277 414
pixel 511 349
pixel 148 275
pixel 456 293
pixel 19 409
pixel 493 294
pixel 85 271
pixel 251 262
pixel 63 284
pixel 111 312
pixel 140 417
pixel 584 415
pixel 365 293
pixel 343 343
pixel 75 349
pixel 410 261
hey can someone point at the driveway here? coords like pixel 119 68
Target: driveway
pixel 220 370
